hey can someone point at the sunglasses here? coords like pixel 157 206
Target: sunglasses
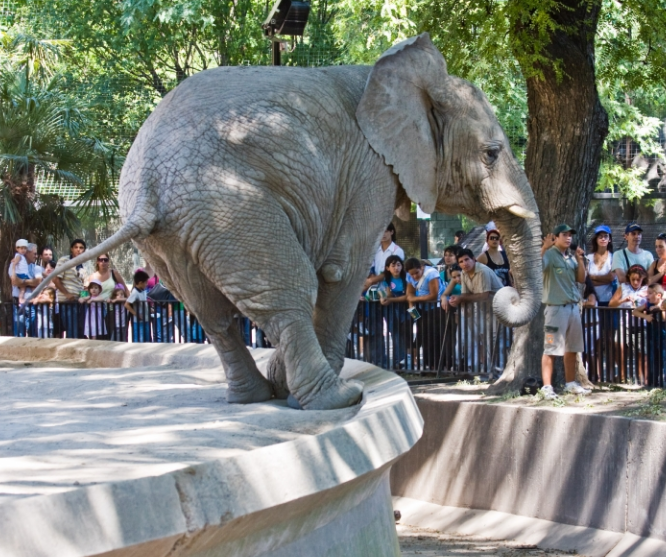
pixel 493 237
pixel 103 259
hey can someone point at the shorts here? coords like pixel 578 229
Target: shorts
pixel 563 331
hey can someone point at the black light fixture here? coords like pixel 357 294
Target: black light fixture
pixel 287 17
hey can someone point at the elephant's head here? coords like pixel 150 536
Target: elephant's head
pixel 442 139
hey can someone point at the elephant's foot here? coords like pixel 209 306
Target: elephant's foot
pixel 277 375
pixel 330 394
pixel 249 391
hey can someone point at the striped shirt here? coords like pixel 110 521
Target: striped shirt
pixel 72 280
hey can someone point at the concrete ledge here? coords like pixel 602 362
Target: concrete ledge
pixel 593 471
pixel 319 490
pixel 544 534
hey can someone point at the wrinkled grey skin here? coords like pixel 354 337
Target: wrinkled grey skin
pixel 265 191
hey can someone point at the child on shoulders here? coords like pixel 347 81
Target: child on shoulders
pixel 20 267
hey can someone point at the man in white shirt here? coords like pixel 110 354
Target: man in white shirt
pixel 386 248
pixel 632 254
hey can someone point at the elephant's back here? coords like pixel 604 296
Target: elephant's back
pixel 249 123
pixel 249 87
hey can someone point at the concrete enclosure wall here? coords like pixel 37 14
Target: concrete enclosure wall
pixel 588 470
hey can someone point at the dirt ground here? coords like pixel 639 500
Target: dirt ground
pixel 427 543
pixel 612 400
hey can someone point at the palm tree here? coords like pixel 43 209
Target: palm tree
pixel 42 134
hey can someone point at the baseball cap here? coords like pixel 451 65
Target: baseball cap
pixel 602 228
pixel 563 228
pixel 21 243
pixel 97 282
pixel 633 227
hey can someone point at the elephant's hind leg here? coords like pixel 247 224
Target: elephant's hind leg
pixel 245 382
pixel 215 314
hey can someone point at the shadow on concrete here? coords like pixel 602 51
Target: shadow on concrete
pixel 589 470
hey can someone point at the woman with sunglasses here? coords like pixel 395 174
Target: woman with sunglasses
pixel 107 276
pixel 657 270
pixel 495 258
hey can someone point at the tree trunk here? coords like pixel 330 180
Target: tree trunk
pixel 567 126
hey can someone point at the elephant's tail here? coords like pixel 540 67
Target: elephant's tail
pixel 129 231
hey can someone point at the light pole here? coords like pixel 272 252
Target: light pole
pixel 286 17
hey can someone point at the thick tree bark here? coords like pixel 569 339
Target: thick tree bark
pixel 567 126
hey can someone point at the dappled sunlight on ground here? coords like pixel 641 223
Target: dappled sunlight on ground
pixel 66 426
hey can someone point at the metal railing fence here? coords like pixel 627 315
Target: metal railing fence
pixel 619 347
pixel 468 339
pixel 623 348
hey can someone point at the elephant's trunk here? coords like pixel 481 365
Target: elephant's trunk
pixel 517 306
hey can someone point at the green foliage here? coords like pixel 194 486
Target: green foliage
pixel 631 74
pixel 124 55
pixel 43 135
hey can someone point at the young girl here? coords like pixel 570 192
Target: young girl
pixel 118 323
pixel 95 325
pixel 394 287
pixel 633 293
pixel 45 303
pixel 392 291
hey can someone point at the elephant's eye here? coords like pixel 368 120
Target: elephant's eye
pixel 491 154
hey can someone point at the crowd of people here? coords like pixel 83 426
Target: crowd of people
pixel 99 305
pixel 417 307
pixel 418 292
pixel 630 278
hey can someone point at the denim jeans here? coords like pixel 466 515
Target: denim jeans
pixel 140 330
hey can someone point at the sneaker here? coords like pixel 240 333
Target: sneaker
pixel 548 393
pixel 575 388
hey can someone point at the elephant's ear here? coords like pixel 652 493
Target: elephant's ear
pixel 394 114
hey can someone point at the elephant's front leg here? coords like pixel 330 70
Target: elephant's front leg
pixel 334 310
pixel 310 378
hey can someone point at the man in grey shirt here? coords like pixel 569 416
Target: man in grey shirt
pixel 563 331
pixel 479 284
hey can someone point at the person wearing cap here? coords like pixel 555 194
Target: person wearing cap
pixel 601 263
pixel 632 254
pixel 22 285
pixel 563 331
pixel 19 272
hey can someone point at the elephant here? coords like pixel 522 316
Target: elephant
pixel 265 191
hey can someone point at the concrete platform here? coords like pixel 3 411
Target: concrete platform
pixel 131 450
